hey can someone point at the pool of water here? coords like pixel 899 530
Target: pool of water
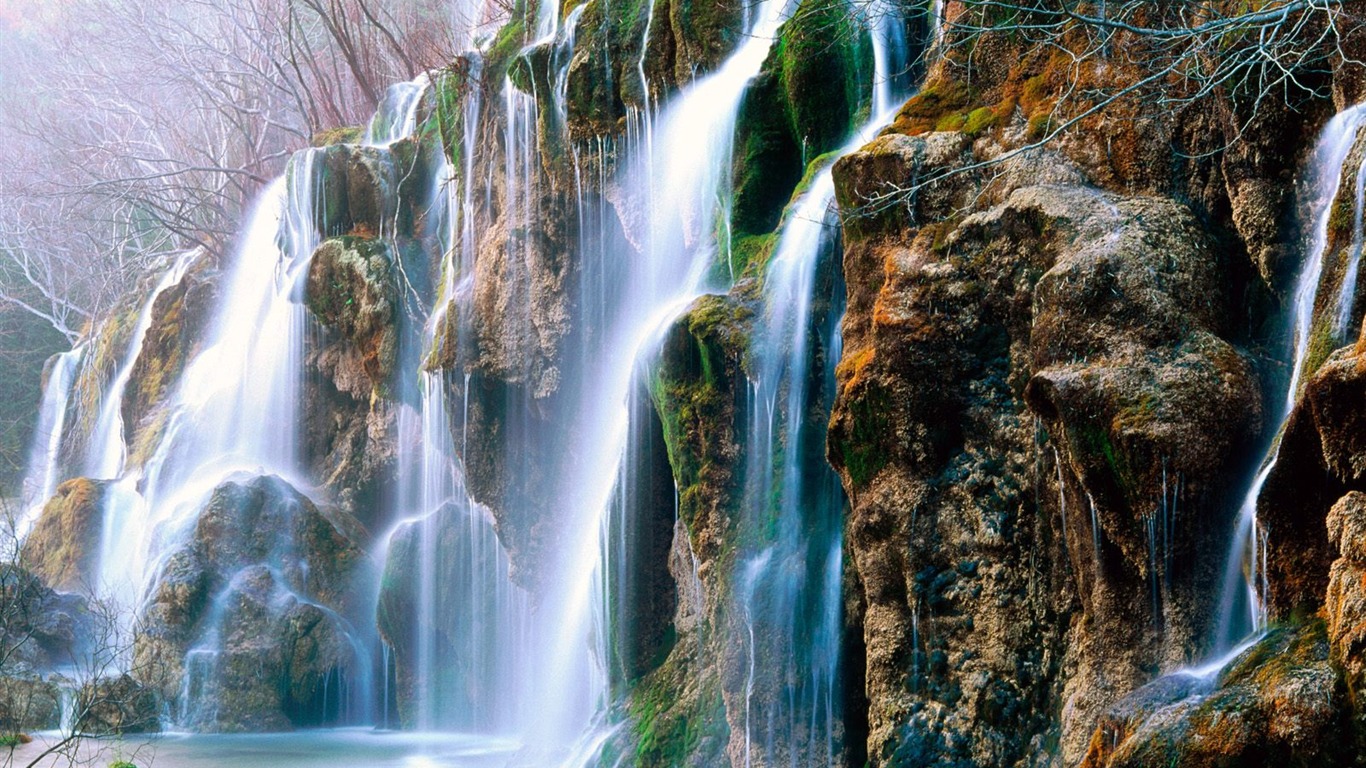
pixel 346 748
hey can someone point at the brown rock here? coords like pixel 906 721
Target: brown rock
pixel 64 546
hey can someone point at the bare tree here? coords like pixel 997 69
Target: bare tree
pixel 86 645
pixel 1154 57
pixel 138 129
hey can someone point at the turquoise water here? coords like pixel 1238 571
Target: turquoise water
pixel 346 748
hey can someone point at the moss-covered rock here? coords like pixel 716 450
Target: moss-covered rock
pixel 1282 702
pixel 63 549
pixel 805 102
pixel 265 584
pixel 351 287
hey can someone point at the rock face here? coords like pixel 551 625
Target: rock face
pixel 351 288
pixel 64 546
pixel 253 613
pixel 1320 462
pixel 349 417
pixel 1039 398
pixel 1282 702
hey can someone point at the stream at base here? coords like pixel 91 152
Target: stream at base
pixel 305 749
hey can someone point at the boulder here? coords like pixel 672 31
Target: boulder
pixel 63 548
pixel 117 705
pixel 29 704
pixel 257 607
pixel 445 587
pixel 1281 702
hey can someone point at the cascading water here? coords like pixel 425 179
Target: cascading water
pixel 396 117
pixel 1241 611
pixel 107 449
pixel 790 586
pixel 489 656
pixel 44 456
pixel 635 296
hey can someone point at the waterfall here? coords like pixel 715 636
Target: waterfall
pixel 680 175
pixel 790 586
pixel 43 468
pixel 107 451
pixel 396 116
pixel 1241 609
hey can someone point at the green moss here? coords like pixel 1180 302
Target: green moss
pixel 692 387
pixel 978 120
pixel 802 106
pixel 935 102
pixel 1322 343
pixel 953 122
pixel 350 134
pixel 1094 442
pixel 750 253
pixel 10 740
pixel 1039 126
pixel 509 41
pixel 450 88
pixel 1342 218
pixel 861 448
pixel 667 734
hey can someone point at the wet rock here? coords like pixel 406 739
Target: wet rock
pixel 1281 702
pixel 63 548
pixel 801 105
pixel 278 659
pixel 445 557
pixel 41 629
pixel 351 287
pixel 28 704
pixel 180 319
pixel 117 705
pixel 1036 379
pixel 356 185
pixel 1320 458
pixel 254 609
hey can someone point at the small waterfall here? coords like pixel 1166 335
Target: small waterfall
pixel 43 469
pixel 107 452
pixel 396 116
pixel 1329 160
pixel 790 594
pixel 1241 609
pixel 636 295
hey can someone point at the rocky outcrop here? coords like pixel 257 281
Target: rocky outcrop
pixel 28 704
pixel 1321 457
pixel 116 705
pixel 1281 702
pixel 63 549
pixel 352 288
pixel 253 608
pixel 349 422
pixel 687 699
pixel 1040 398
pixel 180 319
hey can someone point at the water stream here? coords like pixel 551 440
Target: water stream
pixel 1242 612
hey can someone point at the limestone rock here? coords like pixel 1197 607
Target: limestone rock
pixel 64 546
pixel 1281 702
pixel 254 609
